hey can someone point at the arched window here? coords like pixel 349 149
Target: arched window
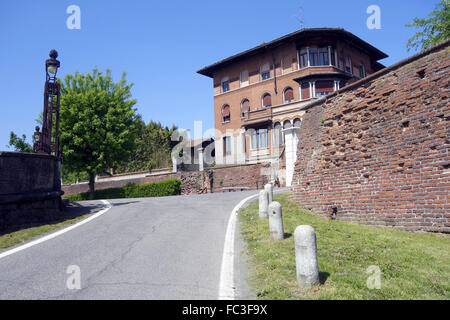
pixel 288 95
pixel 245 107
pixel 277 135
pixel 266 100
pixel 297 123
pixel 226 113
pixel 287 124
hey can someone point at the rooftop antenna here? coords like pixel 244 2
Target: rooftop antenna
pixel 299 17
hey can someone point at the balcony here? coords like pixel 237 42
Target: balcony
pixel 267 114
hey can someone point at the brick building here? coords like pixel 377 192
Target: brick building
pixel 258 93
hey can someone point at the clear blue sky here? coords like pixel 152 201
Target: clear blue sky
pixel 161 45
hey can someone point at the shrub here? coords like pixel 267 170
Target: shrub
pixel 156 189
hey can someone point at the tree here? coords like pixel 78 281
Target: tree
pixel 98 123
pixel 19 144
pixel 153 149
pixel 435 29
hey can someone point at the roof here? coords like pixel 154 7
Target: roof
pixel 373 52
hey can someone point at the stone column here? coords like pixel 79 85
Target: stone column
pixel 306 256
pixel 263 204
pixel 276 221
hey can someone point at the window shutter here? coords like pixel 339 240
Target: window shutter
pixel 267 100
pixel 245 106
pixel 226 111
pixel 288 94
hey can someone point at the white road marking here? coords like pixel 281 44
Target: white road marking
pixel 57 233
pixel 227 288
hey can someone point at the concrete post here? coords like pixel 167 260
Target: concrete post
pixel 268 187
pixel 306 256
pixel 200 159
pixel 263 204
pixel 174 164
pixel 276 221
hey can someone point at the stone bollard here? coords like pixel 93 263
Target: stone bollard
pixel 268 187
pixel 276 221
pixel 263 204
pixel 306 256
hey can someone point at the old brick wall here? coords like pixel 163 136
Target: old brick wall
pixel 378 151
pixel 196 182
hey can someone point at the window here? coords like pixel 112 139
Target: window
pixel 324 87
pixel 266 100
pixel 245 107
pixel 362 71
pixel 348 64
pixel 313 57
pixel 288 95
pixel 225 85
pixel 304 89
pixel 227 145
pixel 323 56
pixel 226 116
pixel 265 71
pixel 277 135
pixel 260 139
pixel 244 78
pixel 303 56
pixel 287 124
pixel 297 123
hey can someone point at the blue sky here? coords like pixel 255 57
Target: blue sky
pixel 161 45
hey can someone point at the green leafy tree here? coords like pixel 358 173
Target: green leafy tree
pixel 153 149
pixel 19 143
pixel 98 123
pixel 434 29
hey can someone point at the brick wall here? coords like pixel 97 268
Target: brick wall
pixel 211 180
pixel 378 151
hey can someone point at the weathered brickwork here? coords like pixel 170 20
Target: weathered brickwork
pixel 214 179
pixel 378 152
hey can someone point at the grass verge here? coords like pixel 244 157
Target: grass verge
pixel 413 265
pixel 28 232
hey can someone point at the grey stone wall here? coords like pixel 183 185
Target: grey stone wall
pixel 30 188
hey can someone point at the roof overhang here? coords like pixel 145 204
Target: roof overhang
pixel 328 33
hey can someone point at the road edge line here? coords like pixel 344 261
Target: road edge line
pixel 57 233
pixel 227 289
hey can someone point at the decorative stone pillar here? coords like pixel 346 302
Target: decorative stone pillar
pixel 306 256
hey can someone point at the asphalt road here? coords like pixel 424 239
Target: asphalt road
pixel 150 248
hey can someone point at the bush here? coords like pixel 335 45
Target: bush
pixel 132 190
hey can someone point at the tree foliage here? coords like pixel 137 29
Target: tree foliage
pixel 98 123
pixel 19 143
pixel 153 148
pixel 434 29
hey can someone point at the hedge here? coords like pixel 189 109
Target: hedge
pixel 156 189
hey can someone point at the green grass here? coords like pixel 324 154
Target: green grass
pixel 413 265
pixel 25 233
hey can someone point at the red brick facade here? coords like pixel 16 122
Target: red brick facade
pixel 378 151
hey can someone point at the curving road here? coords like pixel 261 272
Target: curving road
pixel 149 248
